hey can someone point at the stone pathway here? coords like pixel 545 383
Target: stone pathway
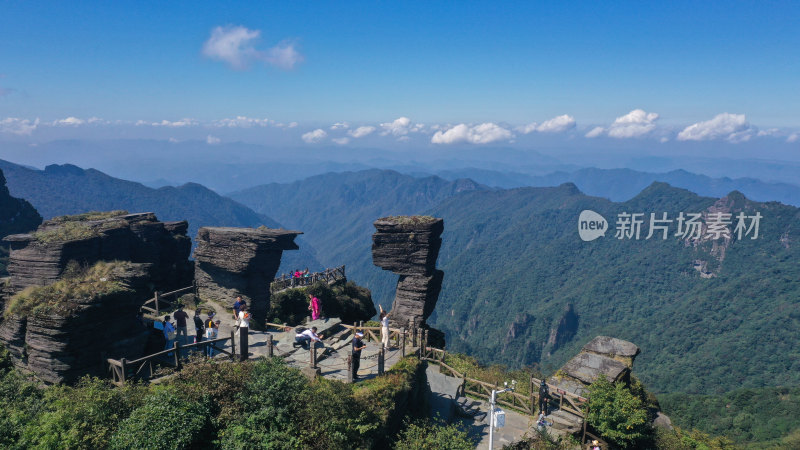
pixel 332 352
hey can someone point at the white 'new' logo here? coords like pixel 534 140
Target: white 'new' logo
pixel 591 225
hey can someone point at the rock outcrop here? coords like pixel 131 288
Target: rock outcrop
pixel 409 247
pixel 62 331
pixel 40 258
pixel 240 261
pixel 602 356
pixel 16 215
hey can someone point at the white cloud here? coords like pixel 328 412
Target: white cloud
pixel 17 126
pixel 557 124
pixel 175 124
pixel 69 122
pixel 235 45
pixel 794 137
pixel 663 139
pixel 212 140
pixel 401 127
pixel 636 123
pixel 341 140
pixel 595 132
pixel 291 125
pixel 476 134
pixel 340 126
pixel 97 121
pixel 732 127
pixel 172 140
pixel 769 132
pixel 361 131
pixel 315 136
pixel 242 122
pixel 284 56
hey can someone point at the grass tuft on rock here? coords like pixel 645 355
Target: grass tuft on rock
pixel 77 285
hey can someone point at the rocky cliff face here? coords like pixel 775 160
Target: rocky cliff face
pixel 409 247
pixel 16 215
pixel 40 258
pixel 240 261
pixel 62 331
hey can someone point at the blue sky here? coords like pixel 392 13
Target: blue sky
pixel 473 72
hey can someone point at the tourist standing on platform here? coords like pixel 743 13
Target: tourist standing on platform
pixel 315 307
pixel 236 305
pixel 544 396
pixel 384 327
pixel 199 328
pixel 242 328
pixel 180 321
pixel 169 333
pixel 211 332
pixel 358 345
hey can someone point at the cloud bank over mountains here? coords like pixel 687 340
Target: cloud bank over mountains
pixel 637 124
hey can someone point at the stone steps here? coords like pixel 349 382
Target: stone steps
pixel 565 421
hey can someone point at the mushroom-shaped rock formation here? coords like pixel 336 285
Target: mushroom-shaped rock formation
pixel 602 356
pixel 240 261
pixel 409 246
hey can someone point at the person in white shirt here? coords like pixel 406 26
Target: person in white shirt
pixel 243 327
pixel 306 337
pixel 384 327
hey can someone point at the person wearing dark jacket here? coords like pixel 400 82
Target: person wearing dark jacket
pixel 358 345
pixel 199 328
pixel 544 395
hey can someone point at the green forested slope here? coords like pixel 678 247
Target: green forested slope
pixel 513 262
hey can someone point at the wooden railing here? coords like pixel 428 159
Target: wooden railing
pixel 159 300
pixel 123 370
pixel 329 276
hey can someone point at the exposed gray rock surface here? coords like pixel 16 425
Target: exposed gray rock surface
pixel 68 341
pixel 609 346
pixel 138 238
pixel 240 261
pixel 409 247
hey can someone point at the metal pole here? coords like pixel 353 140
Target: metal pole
pixel 177 350
pixel 491 420
pixel 380 361
pixel 270 350
pixel 404 343
pixel 313 354
pixel 158 297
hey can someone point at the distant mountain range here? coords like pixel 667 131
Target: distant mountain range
pixel 624 184
pixel 67 189
pixel 520 287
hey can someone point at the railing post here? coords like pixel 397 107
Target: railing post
pixel 124 370
pixel 413 336
pixel 533 398
pixel 194 290
pixel 233 345
pixel 177 351
pixel 158 299
pixel 270 350
pixel 403 348
pixel 313 355
pixel 381 356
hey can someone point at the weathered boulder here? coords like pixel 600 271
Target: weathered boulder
pixel 622 351
pixel 240 261
pixel 40 258
pixel 62 331
pixel 409 247
pixel 602 356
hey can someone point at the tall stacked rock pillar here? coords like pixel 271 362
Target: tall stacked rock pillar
pixel 240 261
pixel 409 246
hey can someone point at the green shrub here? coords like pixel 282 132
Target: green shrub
pixel 82 417
pixel 165 420
pixel 431 436
pixel 620 416
pixel 87 216
pixel 21 400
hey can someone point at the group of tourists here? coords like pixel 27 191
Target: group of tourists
pixel 208 329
